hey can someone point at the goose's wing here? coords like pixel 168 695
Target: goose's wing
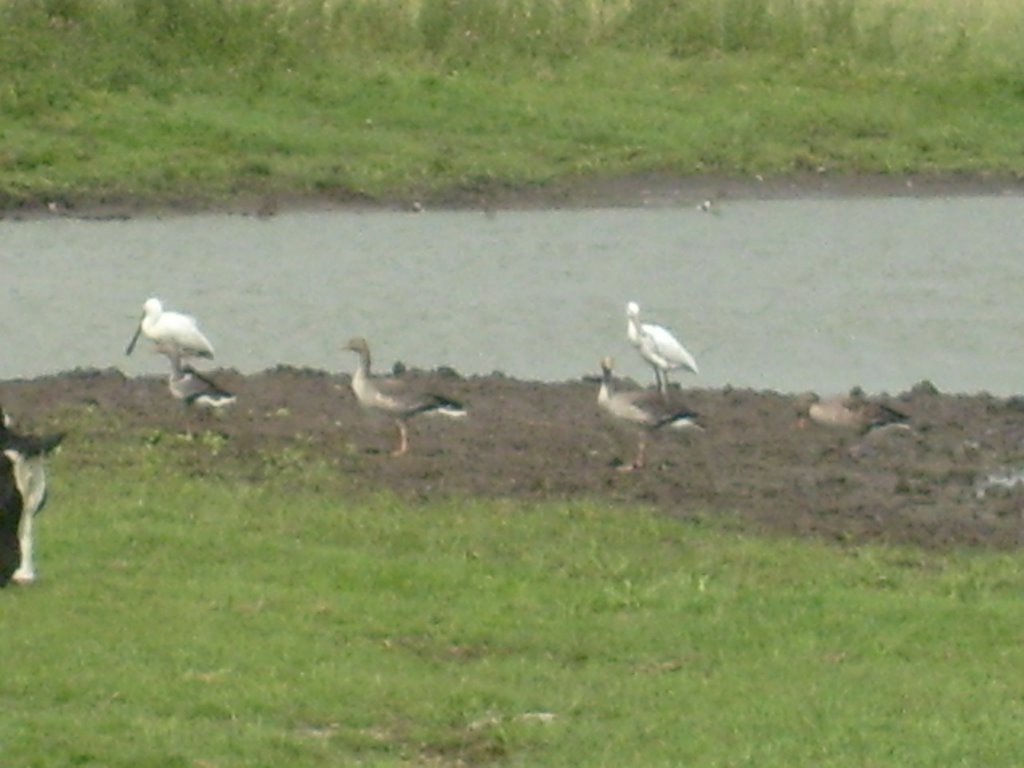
pixel 648 409
pixel 391 394
pixel 665 412
pixel 202 390
pixel 881 415
pixel 408 399
pixel 203 382
pixel 436 403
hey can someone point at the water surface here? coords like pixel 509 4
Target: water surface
pixel 790 295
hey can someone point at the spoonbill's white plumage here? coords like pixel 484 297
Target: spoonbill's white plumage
pixel 172 333
pixel 657 346
pixel 395 397
pixel 646 409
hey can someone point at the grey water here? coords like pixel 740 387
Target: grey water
pixel 792 295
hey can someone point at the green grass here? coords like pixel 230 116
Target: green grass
pixel 153 100
pixel 263 616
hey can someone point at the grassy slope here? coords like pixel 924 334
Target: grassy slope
pixel 221 99
pixel 260 616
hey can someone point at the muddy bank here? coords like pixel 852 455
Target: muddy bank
pixel 654 189
pixel 950 480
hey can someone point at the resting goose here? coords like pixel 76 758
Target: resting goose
pixel 657 346
pixel 22 495
pixel 647 409
pixel 394 397
pixel 172 332
pixel 851 412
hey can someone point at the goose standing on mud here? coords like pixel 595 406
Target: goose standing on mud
pixel 852 412
pixel 657 346
pixel 646 409
pixel 22 496
pixel 394 397
pixel 194 389
pixel 172 333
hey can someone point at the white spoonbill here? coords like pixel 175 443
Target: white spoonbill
pixel 648 410
pixel 397 398
pixel 657 346
pixel 172 332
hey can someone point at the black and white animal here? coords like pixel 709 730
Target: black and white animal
pixel 397 398
pixel 22 496
pixel 647 409
pixel 657 346
pixel 172 333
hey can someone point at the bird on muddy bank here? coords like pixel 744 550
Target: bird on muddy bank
pixel 658 346
pixel 395 397
pixel 852 412
pixel 22 496
pixel 172 333
pixel 649 410
pixel 195 390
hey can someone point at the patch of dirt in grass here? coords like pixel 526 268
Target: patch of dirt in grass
pixel 955 478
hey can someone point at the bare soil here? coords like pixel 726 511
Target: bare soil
pixel 651 189
pixel 752 467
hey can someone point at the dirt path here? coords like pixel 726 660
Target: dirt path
pixel 544 441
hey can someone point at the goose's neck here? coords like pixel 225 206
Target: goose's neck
pixel 605 392
pixel 362 368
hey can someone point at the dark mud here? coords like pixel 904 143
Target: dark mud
pixel 951 480
pixel 638 190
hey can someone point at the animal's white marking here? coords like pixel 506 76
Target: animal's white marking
pixel 30 479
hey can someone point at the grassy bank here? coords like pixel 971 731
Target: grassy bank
pixel 153 100
pixel 194 611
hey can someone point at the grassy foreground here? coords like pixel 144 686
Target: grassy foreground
pixel 205 100
pixel 260 616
